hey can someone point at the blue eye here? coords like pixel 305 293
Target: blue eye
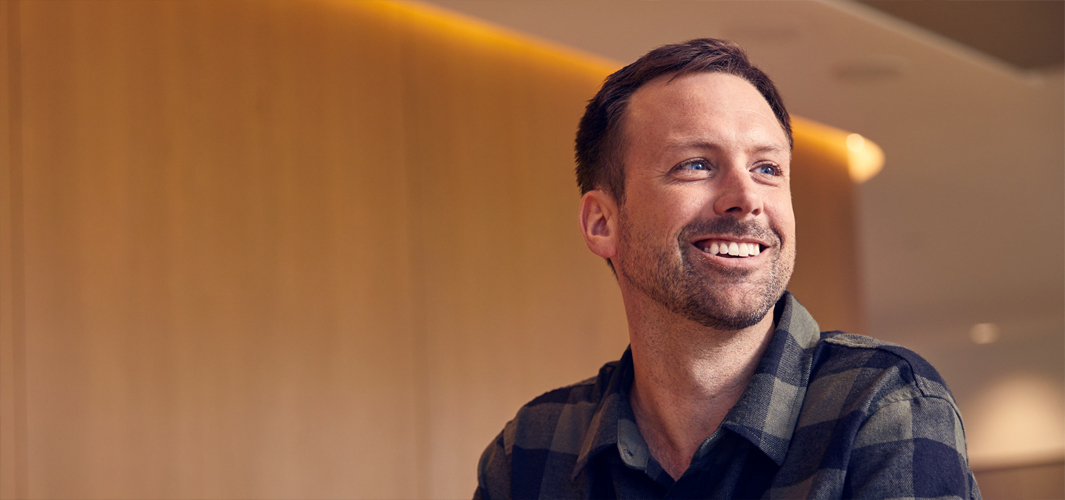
pixel 694 165
pixel 767 169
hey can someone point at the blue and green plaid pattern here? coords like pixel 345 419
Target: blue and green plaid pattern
pixel 826 415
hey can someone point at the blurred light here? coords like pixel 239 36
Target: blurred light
pixel 855 142
pixel 1017 419
pixel 984 333
pixel 864 158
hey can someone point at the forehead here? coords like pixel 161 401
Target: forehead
pixel 717 107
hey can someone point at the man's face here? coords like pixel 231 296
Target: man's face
pixel 707 167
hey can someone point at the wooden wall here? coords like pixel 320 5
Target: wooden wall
pixel 297 249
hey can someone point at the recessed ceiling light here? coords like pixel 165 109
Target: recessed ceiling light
pixel 872 68
pixel 984 333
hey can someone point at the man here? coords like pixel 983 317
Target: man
pixel 728 389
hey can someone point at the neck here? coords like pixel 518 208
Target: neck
pixel 686 379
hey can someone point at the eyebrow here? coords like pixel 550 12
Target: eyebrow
pixel 771 148
pixel 701 144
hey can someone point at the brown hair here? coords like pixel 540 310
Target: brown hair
pixel 599 141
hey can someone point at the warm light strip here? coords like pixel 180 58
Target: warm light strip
pixel 483 32
pixel 863 157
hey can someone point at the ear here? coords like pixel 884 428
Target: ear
pixel 599 223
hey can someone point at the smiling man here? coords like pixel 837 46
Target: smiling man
pixel 728 388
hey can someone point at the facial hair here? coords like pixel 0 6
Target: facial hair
pixel 706 295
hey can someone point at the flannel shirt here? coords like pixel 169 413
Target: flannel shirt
pixel 826 415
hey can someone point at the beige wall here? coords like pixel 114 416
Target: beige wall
pixel 299 250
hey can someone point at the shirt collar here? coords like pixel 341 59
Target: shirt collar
pixel 766 412
pixel 603 429
pixel 768 409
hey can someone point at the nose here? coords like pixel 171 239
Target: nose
pixel 738 194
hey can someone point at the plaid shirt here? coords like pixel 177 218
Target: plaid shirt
pixel 826 415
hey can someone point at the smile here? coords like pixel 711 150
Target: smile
pixel 729 248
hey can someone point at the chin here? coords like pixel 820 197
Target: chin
pixel 724 307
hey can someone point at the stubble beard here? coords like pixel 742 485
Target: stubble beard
pixel 709 297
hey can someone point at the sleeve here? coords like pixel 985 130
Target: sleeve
pixel 911 449
pixel 493 472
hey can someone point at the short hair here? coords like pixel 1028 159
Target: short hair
pixel 599 145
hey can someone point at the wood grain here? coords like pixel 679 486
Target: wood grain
pixel 299 249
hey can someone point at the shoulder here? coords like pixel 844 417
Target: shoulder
pixel 896 416
pixel 859 385
pixel 880 371
pixel 543 439
pixel 568 409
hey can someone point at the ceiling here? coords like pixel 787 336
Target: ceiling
pixel 966 223
pixel 1028 34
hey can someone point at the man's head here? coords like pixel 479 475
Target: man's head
pixel 704 162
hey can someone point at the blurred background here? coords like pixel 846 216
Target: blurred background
pixel 326 249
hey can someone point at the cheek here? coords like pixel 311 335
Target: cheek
pixel 782 218
pixel 681 204
pixel 668 209
pixel 779 203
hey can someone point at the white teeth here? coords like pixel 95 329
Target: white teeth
pixel 734 249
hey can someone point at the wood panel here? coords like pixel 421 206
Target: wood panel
pixel 826 278
pixel 299 249
pixel 12 318
pixel 515 304
pixel 1023 482
pixel 216 252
